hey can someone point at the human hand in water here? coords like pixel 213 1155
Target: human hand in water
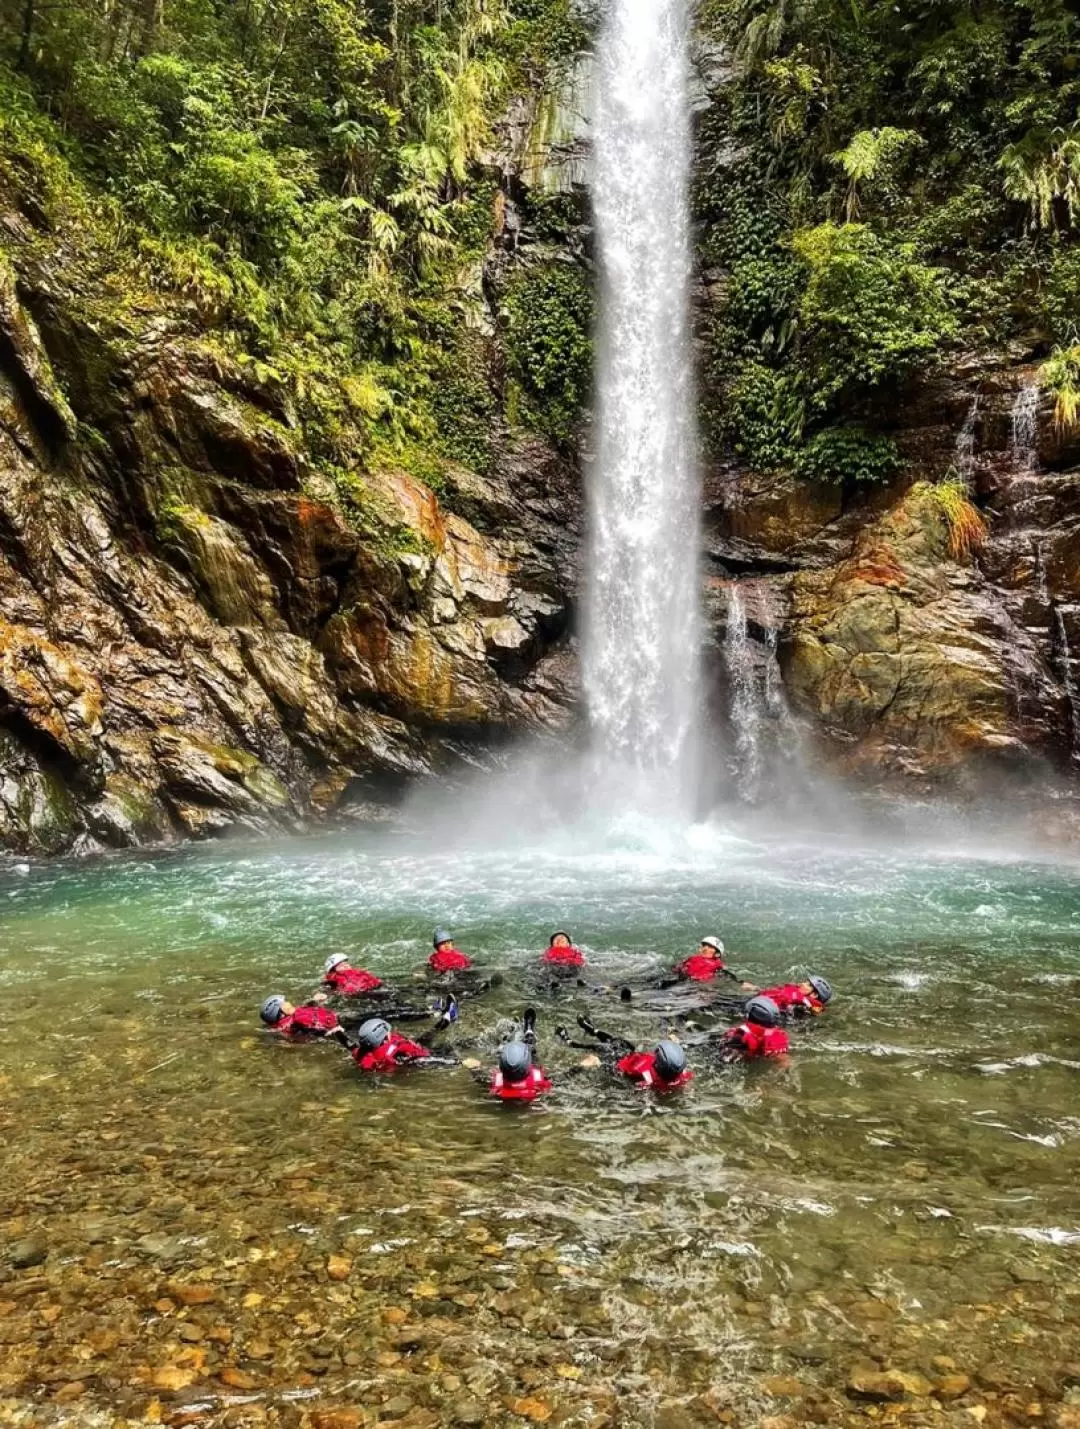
pixel 320 998
pixel 747 986
pixel 590 1062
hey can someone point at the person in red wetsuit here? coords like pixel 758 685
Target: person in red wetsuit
pixel 759 1035
pixel 706 965
pixel 446 958
pixel 801 999
pixel 289 1021
pixel 662 1070
pixel 561 954
pixel 796 1000
pixel 517 1078
pixel 379 1048
pixel 341 977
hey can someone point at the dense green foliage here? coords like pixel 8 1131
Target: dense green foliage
pixel 881 185
pixel 550 307
pixel 310 177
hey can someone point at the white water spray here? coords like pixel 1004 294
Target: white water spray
pixel 641 634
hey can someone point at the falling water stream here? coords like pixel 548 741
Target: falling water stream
pixel 1024 417
pixel 642 636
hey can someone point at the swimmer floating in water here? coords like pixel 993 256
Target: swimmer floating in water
pixel 664 1069
pixel 379 1048
pixel 706 965
pixel 355 984
pixel 287 1020
pixel 796 1001
pixel 518 1077
pixel 759 1035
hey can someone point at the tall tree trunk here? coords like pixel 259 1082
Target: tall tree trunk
pixel 27 34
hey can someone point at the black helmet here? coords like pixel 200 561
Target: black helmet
pixel 670 1060
pixel 372 1034
pixel 441 936
pixel 763 1011
pixel 821 987
pixel 515 1060
pixel 273 1010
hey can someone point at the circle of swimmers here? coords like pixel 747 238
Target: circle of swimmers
pixel 366 1026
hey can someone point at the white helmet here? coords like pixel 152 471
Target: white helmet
pixel 333 961
pixel 714 943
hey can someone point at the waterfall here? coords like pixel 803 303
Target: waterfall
pixel 965 442
pixel 1068 679
pixel 1025 411
pixel 641 629
pixel 745 707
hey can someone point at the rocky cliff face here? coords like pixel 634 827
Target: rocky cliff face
pixel 913 664
pixel 197 633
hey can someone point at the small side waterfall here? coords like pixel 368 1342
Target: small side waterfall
pixel 745 708
pixel 764 733
pixel 1022 443
pixel 964 456
pixel 641 632
pixel 1068 678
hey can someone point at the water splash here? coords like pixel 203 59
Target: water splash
pixel 641 634
pixel 964 452
pixel 1022 443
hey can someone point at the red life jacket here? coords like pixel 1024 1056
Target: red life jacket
pixel 448 960
pixel 640 1067
pixel 396 1051
pixel 351 982
pixel 524 1091
pixel 701 968
pixel 305 1020
pixel 564 958
pixel 789 997
pixel 753 1040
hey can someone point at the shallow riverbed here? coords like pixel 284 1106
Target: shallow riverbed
pixel 237 1231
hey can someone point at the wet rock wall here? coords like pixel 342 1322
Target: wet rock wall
pixel 197 635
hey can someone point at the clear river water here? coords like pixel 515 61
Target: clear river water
pixel 238 1231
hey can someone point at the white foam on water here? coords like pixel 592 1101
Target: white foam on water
pixel 1042 1235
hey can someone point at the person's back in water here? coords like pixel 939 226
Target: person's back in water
pixel 758 1035
pixel 518 1077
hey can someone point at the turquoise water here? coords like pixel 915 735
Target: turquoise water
pixel 900 1199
